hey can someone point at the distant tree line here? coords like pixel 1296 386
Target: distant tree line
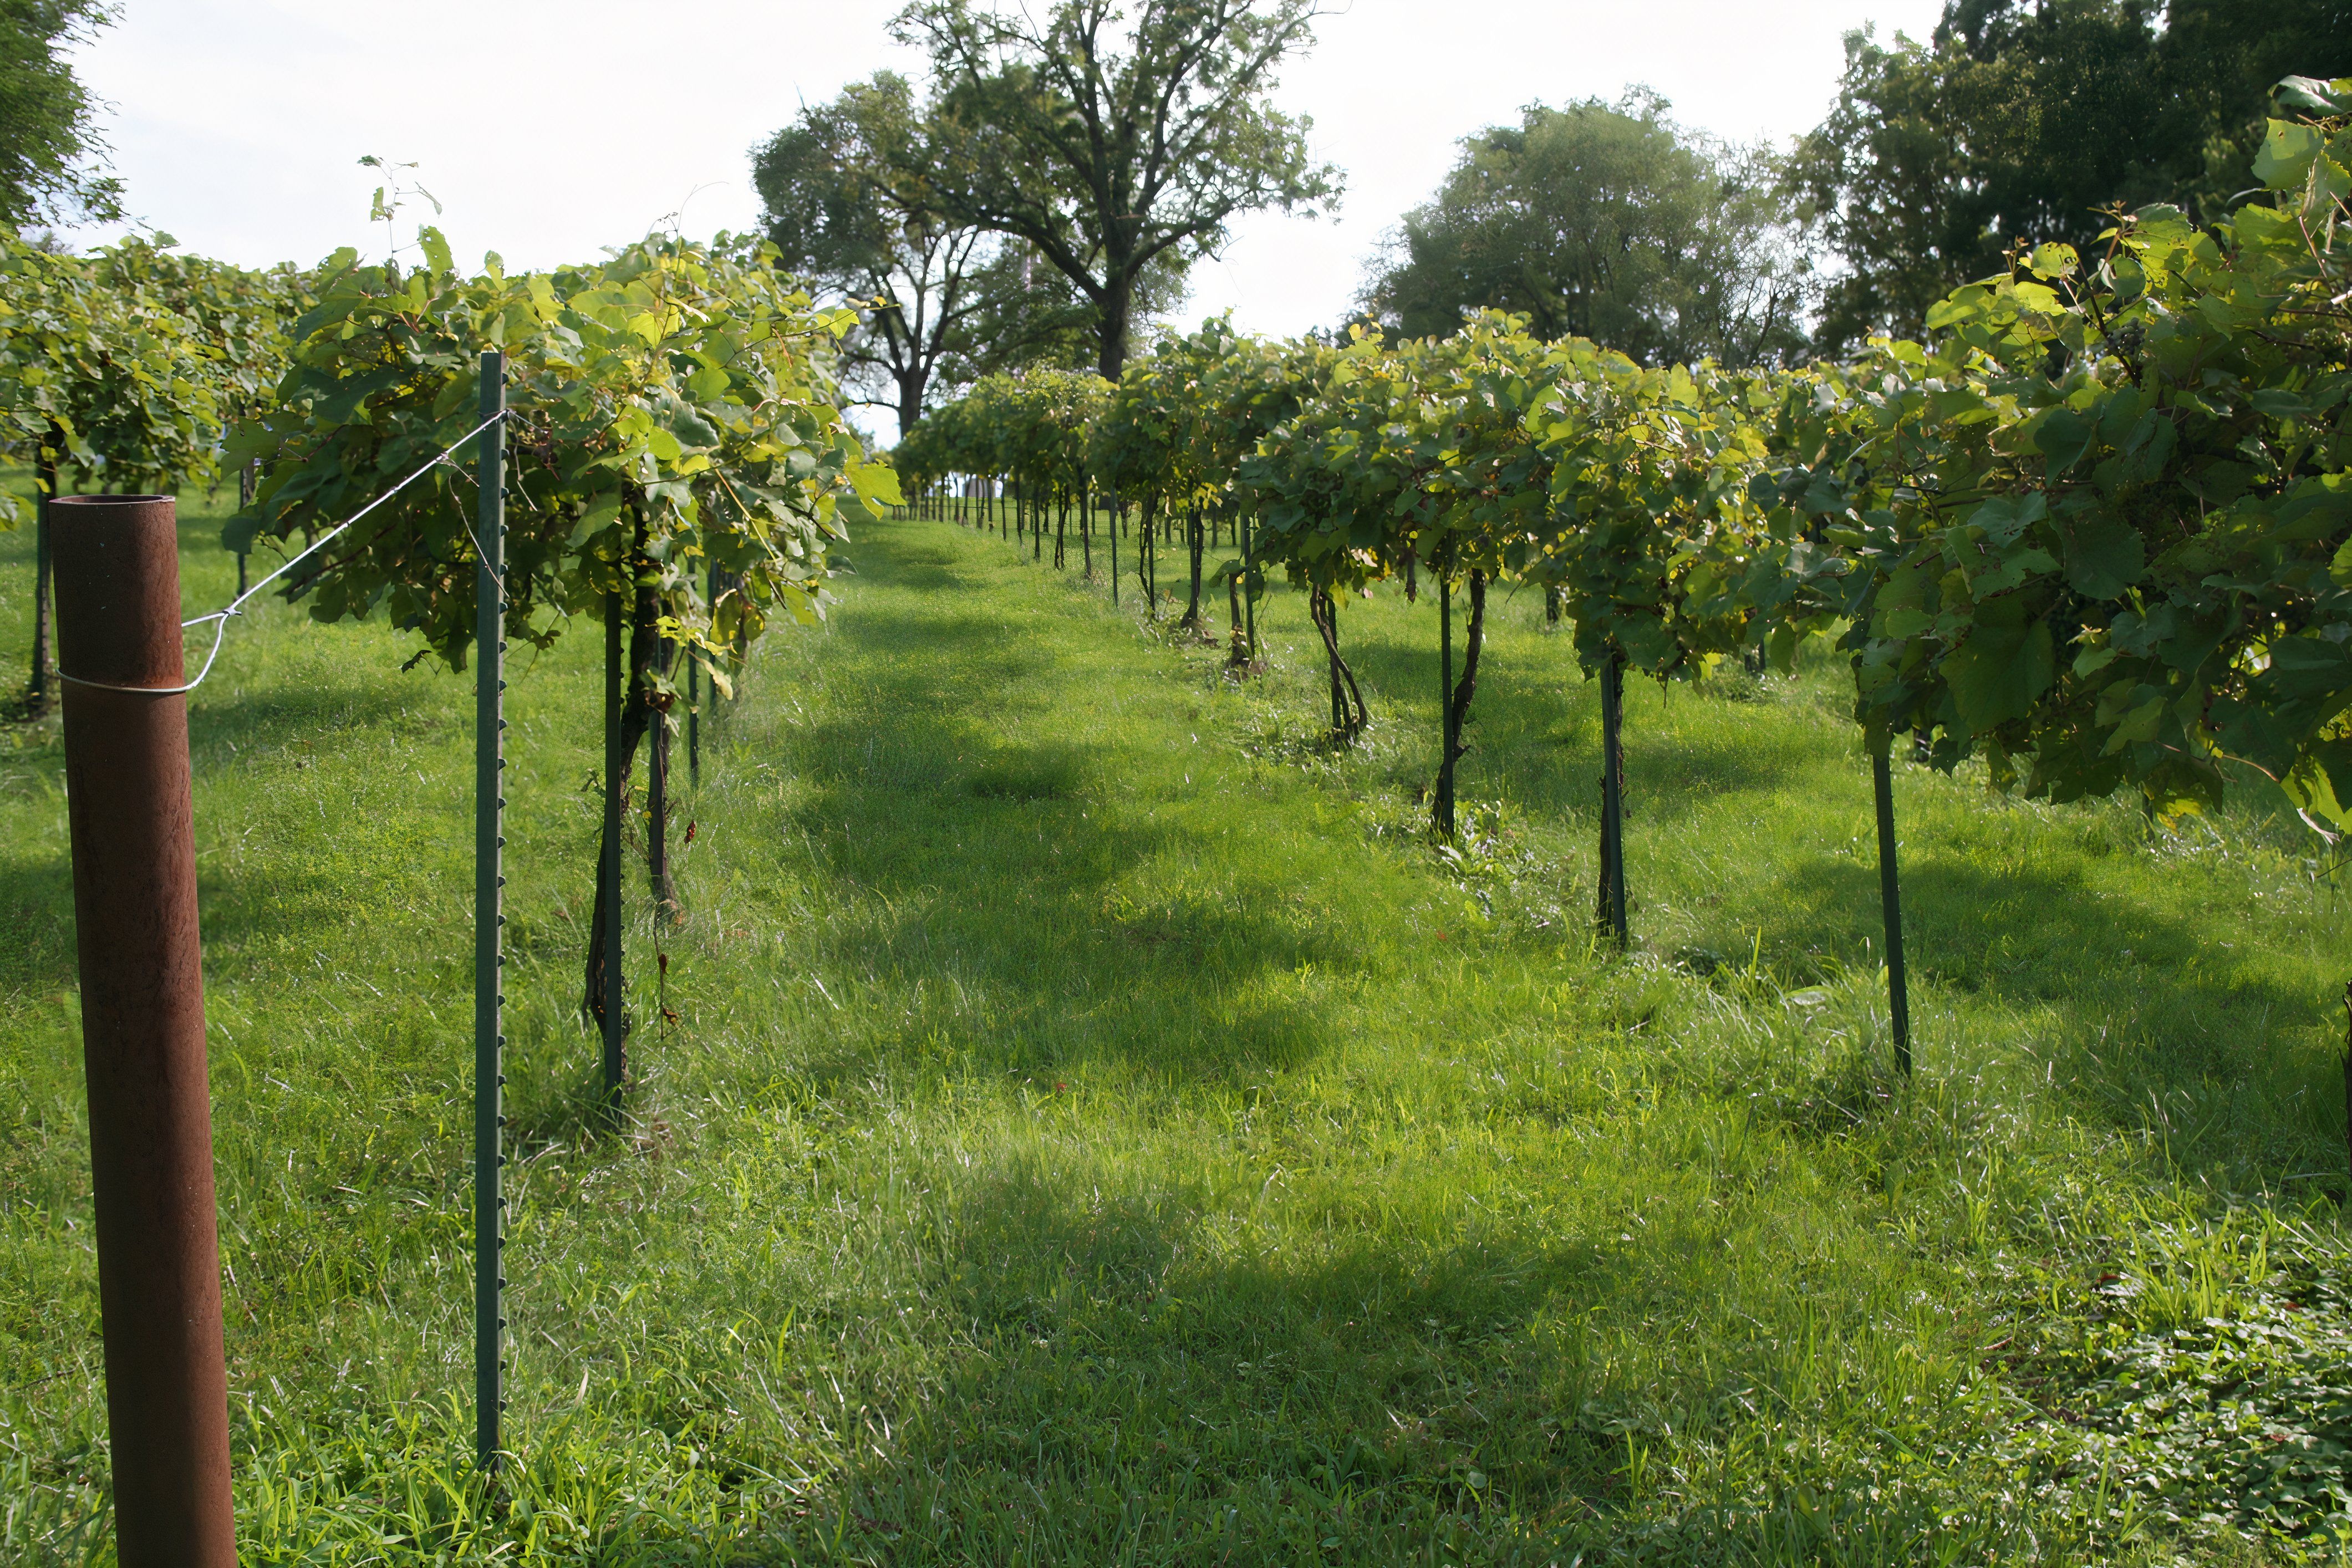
pixel 2017 121
pixel 2033 120
pixel 1053 181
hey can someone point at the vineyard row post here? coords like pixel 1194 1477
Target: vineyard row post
pixel 139 952
pixel 1445 704
pixel 490 899
pixel 615 1028
pixel 1249 583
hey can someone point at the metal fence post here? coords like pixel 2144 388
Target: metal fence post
pixel 489 881
pixel 117 561
pixel 615 1026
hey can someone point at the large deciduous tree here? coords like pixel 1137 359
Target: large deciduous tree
pixel 2032 121
pixel 1109 142
pixel 1606 222
pixel 847 208
pixel 48 144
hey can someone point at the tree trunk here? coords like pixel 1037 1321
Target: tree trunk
pixel 1115 310
pixel 246 478
pixel 1249 584
pixel 1061 530
pixel 1349 714
pixel 1237 653
pixel 1551 604
pixel 1147 562
pixel 664 888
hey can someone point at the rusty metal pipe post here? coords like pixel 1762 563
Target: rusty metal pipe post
pixel 151 1141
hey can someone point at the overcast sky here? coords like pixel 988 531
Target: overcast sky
pixel 551 128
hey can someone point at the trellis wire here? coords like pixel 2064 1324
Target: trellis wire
pixel 220 618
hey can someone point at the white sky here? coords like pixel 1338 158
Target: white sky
pixel 551 128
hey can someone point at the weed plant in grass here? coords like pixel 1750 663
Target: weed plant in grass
pixel 1098 1126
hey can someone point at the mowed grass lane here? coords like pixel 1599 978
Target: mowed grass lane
pixel 1097 1126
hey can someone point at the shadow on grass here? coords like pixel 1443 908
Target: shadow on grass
pixel 999 863
pixel 1535 732
pixel 1131 1390
pixel 1392 1401
pixel 2149 1013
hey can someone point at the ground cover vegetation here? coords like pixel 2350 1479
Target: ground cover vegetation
pixel 1097 1125
pixel 2070 1292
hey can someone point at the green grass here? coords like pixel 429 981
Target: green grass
pixel 1099 1128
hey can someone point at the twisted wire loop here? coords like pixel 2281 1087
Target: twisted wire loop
pixel 220 618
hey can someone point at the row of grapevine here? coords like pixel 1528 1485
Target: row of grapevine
pixel 678 466
pixel 123 370
pixel 677 469
pixel 2096 532
pixel 661 449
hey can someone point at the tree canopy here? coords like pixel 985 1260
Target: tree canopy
pixel 1109 142
pixel 1608 222
pixel 48 143
pixel 2032 123
pixel 942 303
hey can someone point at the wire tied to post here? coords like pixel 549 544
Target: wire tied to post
pixel 220 618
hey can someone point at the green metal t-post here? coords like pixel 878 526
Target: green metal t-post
pixel 615 1026
pixel 489 801
pixel 1249 583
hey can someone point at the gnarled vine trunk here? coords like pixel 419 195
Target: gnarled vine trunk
pixel 1192 543
pixel 635 713
pixel 1457 695
pixel 1348 715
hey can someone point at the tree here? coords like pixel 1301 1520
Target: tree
pixel 2032 123
pixel 1108 145
pixel 1606 222
pixel 847 208
pixel 942 304
pixel 2223 57
pixel 49 145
